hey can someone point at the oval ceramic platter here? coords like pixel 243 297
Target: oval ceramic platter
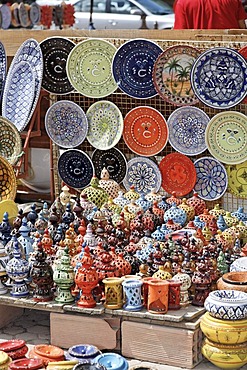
pixel 132 67
pixel 237 179
pixel 105 124
pixel 89 68
pixel 3 68
pixel 178 174
pixel 66 124
pixel 55 52
pixel 113 160
pixel 187 126
pixel 171 74
pixel 144 174
pixel 211 178
pixel 226 137
pixel 18 94
pixel 29 52
pixel 75 168
pixel 145 131
pixel 219 78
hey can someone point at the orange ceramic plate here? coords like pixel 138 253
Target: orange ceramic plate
pixel 145 131
pixel 178 174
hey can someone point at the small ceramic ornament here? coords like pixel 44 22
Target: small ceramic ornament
pixel 95 193
pixel 65 196
pixel 132 194
pixel 190 211
pixel 197 203
pixel 63 276
pixel 110 186
pixel 153 196
pixel 173 199
pixel 217 211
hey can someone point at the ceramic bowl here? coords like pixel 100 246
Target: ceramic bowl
pixel 26 363
pixel 240 264
pixel 86 351
pixel 61 365
pixel 112 361
pixel 224 331
pixel 227 304
pixel 236 280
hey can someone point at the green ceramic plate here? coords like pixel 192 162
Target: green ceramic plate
pixel 89 68
pixel 226 137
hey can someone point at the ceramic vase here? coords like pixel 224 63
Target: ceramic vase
pixel 113 293
pixel 132 294
pixel 158 291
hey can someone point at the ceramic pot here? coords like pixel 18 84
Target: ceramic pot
pixel 47 353
pixel 26 363
pixel 132 294
pixel 15 348
pixel 5 361
pixel 112 361
pixel 234 280
pixel 113 293
pixel 158 296
pixel 240 264
pixel 227 304
pixel 62 365
pixel 225 356
pixel 224 331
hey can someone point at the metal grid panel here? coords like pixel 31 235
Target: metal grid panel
pixel 126 103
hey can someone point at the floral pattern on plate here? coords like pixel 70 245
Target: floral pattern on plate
pixel 212 180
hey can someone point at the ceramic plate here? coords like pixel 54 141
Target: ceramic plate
pixel 113 160
pixel 31 53
pixel 18 94
pixel 89 68
pixel 187 127
pixel 132 67
pixel 178 174
pixel 144 174
pixel 35 13
pixel 243 52
pixel 3 68
pixel 5 16
pixel 226 137
pixel 237 179
pixel 66 124
pixel 8 185
pixel 145 131
pixel 55 52
pixel 75 168
pixel 219 78
pixel 171 74
pixel 212 181
pixel 10 141
pixel 105 124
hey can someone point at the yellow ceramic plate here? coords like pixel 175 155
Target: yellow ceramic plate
pixel 9 206
pixel 237 179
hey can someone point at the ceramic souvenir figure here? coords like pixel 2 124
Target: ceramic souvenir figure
pixel 63 276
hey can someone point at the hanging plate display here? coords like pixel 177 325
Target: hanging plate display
pixel 3 68
pixel 243 52
pixel 105 124
pixel 132 67
pixel 66 124
pixel 55 52
pixel 171 74
pixel 226 137
pixel 144 174
pixel 212 180
pixel 187 127
pixel 10 141
pixel 18 94
pixel 145 131
pixel 75 168
pixel 219 78
pixel 5 16
pixel 178 174
pixel 113 160
pixel 8 185
pixel 237 179
pixel 89 68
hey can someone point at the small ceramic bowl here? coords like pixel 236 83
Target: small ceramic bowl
pixel 227 304
pixel 83 351
pixel 112 361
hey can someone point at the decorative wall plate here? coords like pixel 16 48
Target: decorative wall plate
pixel 18 94
pixel 8 185
pixel 35 13
pixel 187 127
pixel 226 137
pixel 66 124
pixel 105 124
pixel 237 179
pixel 144 174
pixel 89 68
pixel 145 131
pixel 55 52
pixel 212 180
pixel 3 68
pixel 243 52
pixel 5 16
pixel 178 174
pixel 171 74
pixel 10 141
pixel 113 160
pixel 24 15
pixel 75 168
pixel 132 67
pixel 219 78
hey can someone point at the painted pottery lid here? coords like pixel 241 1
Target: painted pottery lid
pixel 83 350
pixel 112 361
pixel 12 345
pixel 26 363
pixel 49 351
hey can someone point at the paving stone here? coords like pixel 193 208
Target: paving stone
pixel 38 329
pixel 14 330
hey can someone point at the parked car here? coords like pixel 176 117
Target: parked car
pixel 120 14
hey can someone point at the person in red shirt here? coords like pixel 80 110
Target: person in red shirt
pixel 209 14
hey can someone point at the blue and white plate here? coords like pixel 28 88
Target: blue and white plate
pixel 132 67
pixel 75 168
pixel 66 124
pixel 3 68
pixel 144 174
pixel 219 77
pixel 187 127
pixel 212 180
pixel 18 94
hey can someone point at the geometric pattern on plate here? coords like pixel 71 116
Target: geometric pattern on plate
pixel 237 179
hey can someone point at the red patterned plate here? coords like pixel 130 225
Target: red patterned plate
pixel 12 345
pixel 145 131
pixel 178 174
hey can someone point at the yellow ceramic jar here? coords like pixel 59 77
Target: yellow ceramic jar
pixel 5 360
pixel 61 365
pixel 224 331
pixel 225 356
